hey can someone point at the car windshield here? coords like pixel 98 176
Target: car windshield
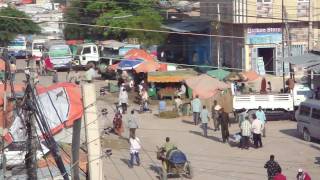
pixel 17 43
pixel 59 51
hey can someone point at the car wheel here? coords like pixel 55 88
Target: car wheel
pixel 306 135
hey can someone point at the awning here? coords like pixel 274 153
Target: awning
pixel 191 25
pixel 205 86
pixel 170 76
pixel 218 73
pixel 309 61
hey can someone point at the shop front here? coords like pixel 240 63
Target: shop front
pixel 264 51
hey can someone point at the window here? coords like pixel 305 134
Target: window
pixel 264 8
pixel 264 1
pixel 304 110
pixel 86 50
pixel 94 50
pixel 315 114
pixel 302 8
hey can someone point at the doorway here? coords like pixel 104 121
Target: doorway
pixel 268 58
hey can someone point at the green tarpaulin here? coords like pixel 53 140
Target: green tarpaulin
pixel 218 73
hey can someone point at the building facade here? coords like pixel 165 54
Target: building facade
pixel 264 29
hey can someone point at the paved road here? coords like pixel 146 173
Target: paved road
pixel 210 158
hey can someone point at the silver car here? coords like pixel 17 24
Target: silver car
pixel 308 119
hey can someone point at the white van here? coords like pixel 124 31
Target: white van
pixel 308 119
pixel 87 54
pixel 36 48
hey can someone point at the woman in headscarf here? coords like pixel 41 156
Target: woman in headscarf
pixel 117 123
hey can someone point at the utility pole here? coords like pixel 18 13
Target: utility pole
pixel 218 37
pixel 283 28
pixel 92 131
pixel 31 157
pixel 309 26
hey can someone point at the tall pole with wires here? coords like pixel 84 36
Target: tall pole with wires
pixel 283 28
pixel 30 158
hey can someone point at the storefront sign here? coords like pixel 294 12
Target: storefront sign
pixel 264 30
pixel 264 36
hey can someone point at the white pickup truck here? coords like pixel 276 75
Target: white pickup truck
pixel 272 103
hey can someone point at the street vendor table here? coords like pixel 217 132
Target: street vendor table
pixel 167 92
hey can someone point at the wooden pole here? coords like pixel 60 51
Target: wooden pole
pixel 92 131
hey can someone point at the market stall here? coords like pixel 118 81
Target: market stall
pixel 168 82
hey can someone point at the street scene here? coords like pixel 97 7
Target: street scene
pixel 165 89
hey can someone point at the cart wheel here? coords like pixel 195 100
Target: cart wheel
pixel 163 174
pixel 188 170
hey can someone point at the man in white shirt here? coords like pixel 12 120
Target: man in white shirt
pixel 182 90
pixel 90 74
pixel 135 146
pixel 257 128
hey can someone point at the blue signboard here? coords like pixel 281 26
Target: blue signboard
pixel 264 36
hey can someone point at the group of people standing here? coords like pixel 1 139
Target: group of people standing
pixel 219 116
pixel 255 126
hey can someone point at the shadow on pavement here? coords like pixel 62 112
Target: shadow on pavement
pixel 188 122
pixel 291 132
pixel 126 161
pixel 209 137
pixel 155 168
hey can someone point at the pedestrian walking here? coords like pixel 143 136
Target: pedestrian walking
pixel 77 77
pixel 132 124
pixel 272 167
pixel 90 74
pixel 262 117
pixel 215 115
pixel 257 127
pixel 224 119
pixel 204 115
pixel 123 100
pixel 117 123
pixel 135 146
pixel 245 133
pixel 279 176
pixel 303 175
pixel 196 109
pixel 55 77
pixel 13 69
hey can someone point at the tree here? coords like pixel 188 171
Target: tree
pixel 119 15
pixel 14 22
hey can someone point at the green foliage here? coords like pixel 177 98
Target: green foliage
pixel 10 27
pixel 116 14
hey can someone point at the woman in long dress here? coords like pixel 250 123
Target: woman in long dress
pixel 117 123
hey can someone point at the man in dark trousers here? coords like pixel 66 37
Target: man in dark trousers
pixel 272 167
pixel 224 120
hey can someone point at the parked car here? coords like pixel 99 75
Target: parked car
pixel 308 119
